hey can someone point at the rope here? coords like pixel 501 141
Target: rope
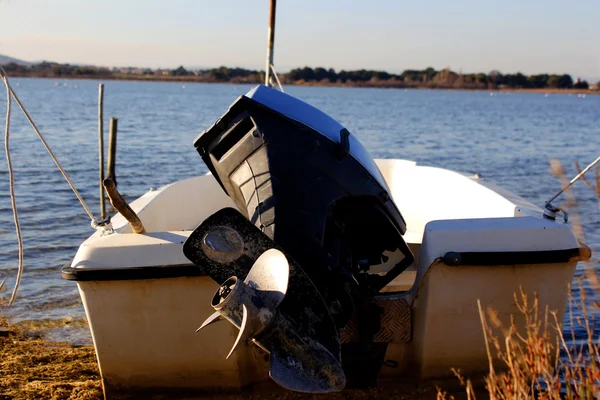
pixel 13 200
pixel 37 131
pixel 10 93
pixel 276 77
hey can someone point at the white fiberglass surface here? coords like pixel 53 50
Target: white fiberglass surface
pixel 126 250
pixel 424 194
pixel 168 214
pixel 180 206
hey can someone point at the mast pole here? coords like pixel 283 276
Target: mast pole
pixel 101 148
pixel 270 43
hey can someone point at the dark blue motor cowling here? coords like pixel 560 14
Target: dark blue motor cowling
pixel 309 185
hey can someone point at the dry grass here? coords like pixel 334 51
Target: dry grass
pixel 532 367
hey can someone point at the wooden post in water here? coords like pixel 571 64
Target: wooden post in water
pixel 101 148
pixel 112 150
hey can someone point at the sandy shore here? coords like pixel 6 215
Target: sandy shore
pixel 32 368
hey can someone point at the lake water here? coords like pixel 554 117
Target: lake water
pixel 506 137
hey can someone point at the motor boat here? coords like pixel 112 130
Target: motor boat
pixel 306 262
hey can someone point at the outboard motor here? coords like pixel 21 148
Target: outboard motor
pixel 309 186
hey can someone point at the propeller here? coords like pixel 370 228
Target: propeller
pixel 298 361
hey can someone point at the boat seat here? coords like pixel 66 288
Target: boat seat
pixel 488 235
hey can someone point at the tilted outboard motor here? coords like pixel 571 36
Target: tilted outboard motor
pixel 312 189
pixel 271 300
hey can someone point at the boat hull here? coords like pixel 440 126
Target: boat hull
pixel 144 299
pixel 144 329
pixel 144 335
pixel 447 329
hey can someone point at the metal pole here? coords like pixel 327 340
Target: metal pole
pixel 112 150
pixel 596 161
pixel 101 148
pixel 270 43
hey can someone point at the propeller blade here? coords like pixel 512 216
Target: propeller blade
pixel 270 271
pixel 244 333
pixel 270 275
pixel 321 373
pixel 216 317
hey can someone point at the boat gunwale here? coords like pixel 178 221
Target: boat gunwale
pixel 82 274
pixel 493 258
pixel 487 258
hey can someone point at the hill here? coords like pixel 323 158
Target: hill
pixel 7 60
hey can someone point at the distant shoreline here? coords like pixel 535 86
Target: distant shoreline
pixel 371 85
pixel 428 78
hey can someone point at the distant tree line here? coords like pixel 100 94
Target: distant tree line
pixel 51 69
pixel 220 74
pixel 237 75
pixel 426 78
pixel 46 69
pixel 432 78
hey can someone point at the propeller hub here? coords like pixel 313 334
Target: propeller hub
pixel 224 291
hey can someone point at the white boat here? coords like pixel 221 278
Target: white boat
pixel 471 240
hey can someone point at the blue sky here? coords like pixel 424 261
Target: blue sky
pixel 530 36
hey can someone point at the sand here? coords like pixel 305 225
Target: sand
pixel 32 368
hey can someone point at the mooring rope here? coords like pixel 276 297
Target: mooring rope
pixel 11 180
pixel 10 94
